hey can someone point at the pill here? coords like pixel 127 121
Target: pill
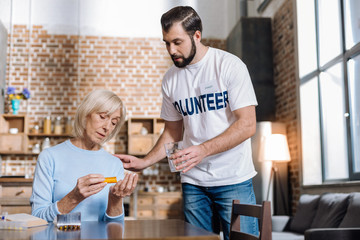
pixel 110 179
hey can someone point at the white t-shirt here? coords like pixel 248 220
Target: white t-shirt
pixel 204 95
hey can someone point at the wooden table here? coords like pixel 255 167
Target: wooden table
pixel 173 229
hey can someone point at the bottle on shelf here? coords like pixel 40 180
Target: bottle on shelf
pixel 35 129
pixel 45 144
pixel 36 148
pixel 0 166
pixel 47 125
pixel 68 126
pixel 58 126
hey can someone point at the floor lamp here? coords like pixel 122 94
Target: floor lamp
pixel 275 148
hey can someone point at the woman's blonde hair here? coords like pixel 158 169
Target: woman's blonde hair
pixel 98 101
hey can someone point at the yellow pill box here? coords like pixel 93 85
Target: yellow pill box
pixel 110 180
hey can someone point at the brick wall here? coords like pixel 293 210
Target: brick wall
pixel 60 70
pixel 286 90
pixel 64 68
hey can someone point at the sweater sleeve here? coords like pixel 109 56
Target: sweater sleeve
pixel 119 218
pixel 41 200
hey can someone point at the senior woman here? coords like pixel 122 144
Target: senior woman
pixel 69 177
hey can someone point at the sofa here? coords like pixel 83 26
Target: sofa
pixel 329 216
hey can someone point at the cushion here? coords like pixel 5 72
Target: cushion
pixel 305 213
pixel 279 222
pixel 331 210
pixel 287 236
pixel 352 216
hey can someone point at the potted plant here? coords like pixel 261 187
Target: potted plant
pixel 15 98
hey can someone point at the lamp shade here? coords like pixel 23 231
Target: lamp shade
pixel 274 148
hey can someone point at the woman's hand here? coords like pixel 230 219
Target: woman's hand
pixel 120 190
pixel 86 186
pixel 124 187
pixel 89 185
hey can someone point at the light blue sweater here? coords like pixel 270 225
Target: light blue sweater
pixel 56 174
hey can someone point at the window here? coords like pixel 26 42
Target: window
pixel 354 86
pixel 329 72
pixel 310 119
pixel 333 123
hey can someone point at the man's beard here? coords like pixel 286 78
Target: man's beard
pixel 186 61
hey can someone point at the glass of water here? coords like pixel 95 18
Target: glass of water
pixel 171 148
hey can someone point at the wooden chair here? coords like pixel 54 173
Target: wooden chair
pixel 262 212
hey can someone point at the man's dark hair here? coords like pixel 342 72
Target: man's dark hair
pixel 188 17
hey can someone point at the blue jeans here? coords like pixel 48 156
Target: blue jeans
pixel 208 207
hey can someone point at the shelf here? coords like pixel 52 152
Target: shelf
pixel 142 135
pixel 17 153
pixel 18 144
pixel 15 179
pixel 47 135
pixel 18 121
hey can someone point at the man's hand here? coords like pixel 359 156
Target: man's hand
pixel 131 163
pixel 192 156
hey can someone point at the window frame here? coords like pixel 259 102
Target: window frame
pixel 343 58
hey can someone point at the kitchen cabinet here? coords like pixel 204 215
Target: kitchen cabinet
pixel 17 142
pixel 154 205
pixel 15 195
pixel 143 133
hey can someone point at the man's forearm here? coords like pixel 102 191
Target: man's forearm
pixel 238 132
pixel 156 153
pixel 172 132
